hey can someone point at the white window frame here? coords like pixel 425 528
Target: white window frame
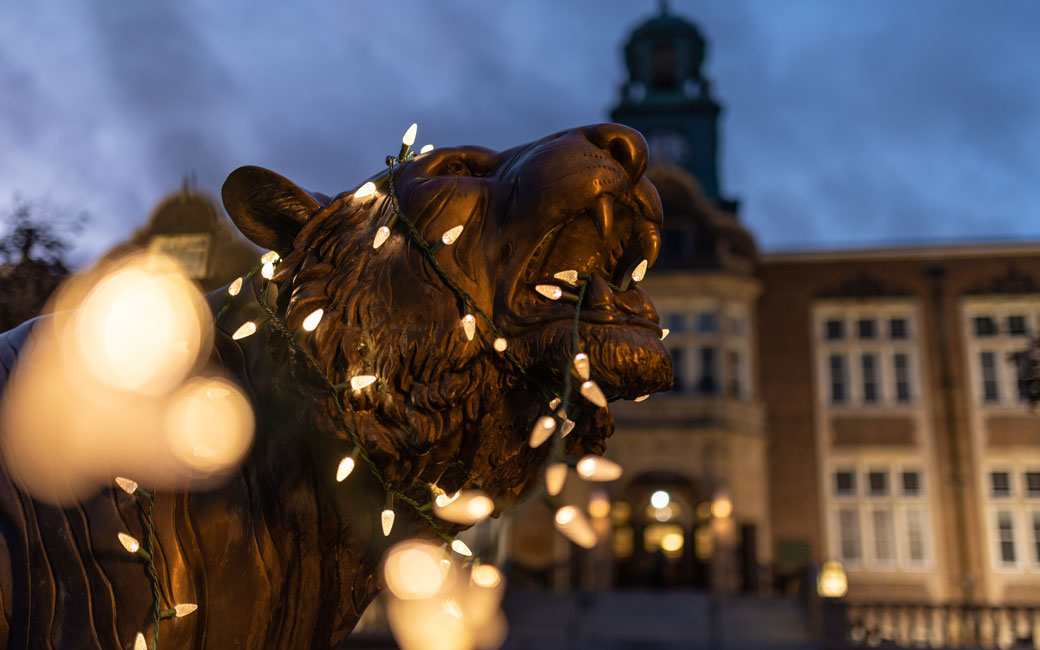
pixel 1022 508
pixel 1002 345
pixel 723 340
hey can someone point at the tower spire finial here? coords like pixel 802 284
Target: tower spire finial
pixel 663 4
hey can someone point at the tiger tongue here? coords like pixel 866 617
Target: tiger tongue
pixel 598 295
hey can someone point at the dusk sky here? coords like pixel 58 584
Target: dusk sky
pixel 847 123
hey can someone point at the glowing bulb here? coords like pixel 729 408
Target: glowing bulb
pixel 414 570
pixel 357 382
pixel 409 136
pixel 451 235
pixel 672 542
pixel 216 392
pixel 387 519
pixel 248 328
pixel 235 287
pixel 426 148
pixel 639 272
pixel 486 575
pixel 664 333
pixel 599 505
pixel 660 499
pixel 460 547
pixel 346 466
pixel 267 271
pixel 566 428
pixel 443 499
pixel 452 607
pixel 550 291
pixel 597 468
pixel 368 189
pixel 581 365
pixel 591 392
pixel 721 506
pixel 270 257
pixel 126 484
pixel 542 430
pixel 642 398
pixel 184 609
pixel 129 543
pixel 575 526
pixel 382 235
pixel 467 508
pixel 313 319
pixel 500 344
pixel 555 476
pixel 570 276
pixel 140 643
pixel 555 402
pixel 469 326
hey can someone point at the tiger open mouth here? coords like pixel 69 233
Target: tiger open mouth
pixel 602 246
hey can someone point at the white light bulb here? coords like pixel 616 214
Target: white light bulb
pixel 575 526
pixel 387 519
pixel 566 428
pixel 366 190
pixel 270 257
pixel 591 392
pixel 184 609
pixel 542 431
pixel 216 392
pixel 664 333
pixel 444 499
pixel 554 402
pixel 451 235
pixel 248 328
pixel 426 148
pixel 235 287
pixel 460 547
pixel 469 326
pixel 500 344
pixel 550 291
pixel 597 468
pixel 486 575
pixel 140 643
pixel 468 508
pixel 346 466
pixel 126 484
pixel 581 365
pixel 129 543
pixel 555 476
pixel 569 276
pixel 357 382
pixel 382 235
pixel 312 320
pixel 267 271
pixel 642 398
pixel 409 135
pixel 639 272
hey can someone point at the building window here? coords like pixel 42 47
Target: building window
pixel 877 483
pixel 1036 537
pixel 677 370
pixel 848 535
pixel 1017 325
pixel 837 369
pixel 708 383
pixel 988 366
pixel 845 483
pixel 915 535
pixel 1000 484
pixel 985 326
pixel 676 323
pixel 878 526
pixel 733 373
pixel 834 330
pixel 897 329
pixel 868 364
pixel 737 326
pixel 707 322
pixel 1032 484
pixel 1006 537
pixel 884 536
pixel 911 483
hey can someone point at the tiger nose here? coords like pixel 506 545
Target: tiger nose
pixel 623 144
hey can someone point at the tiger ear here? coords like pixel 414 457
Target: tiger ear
pixel 268 208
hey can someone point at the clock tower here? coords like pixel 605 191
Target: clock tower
pixel 669 100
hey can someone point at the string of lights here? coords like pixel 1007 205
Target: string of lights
pixel 569 520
